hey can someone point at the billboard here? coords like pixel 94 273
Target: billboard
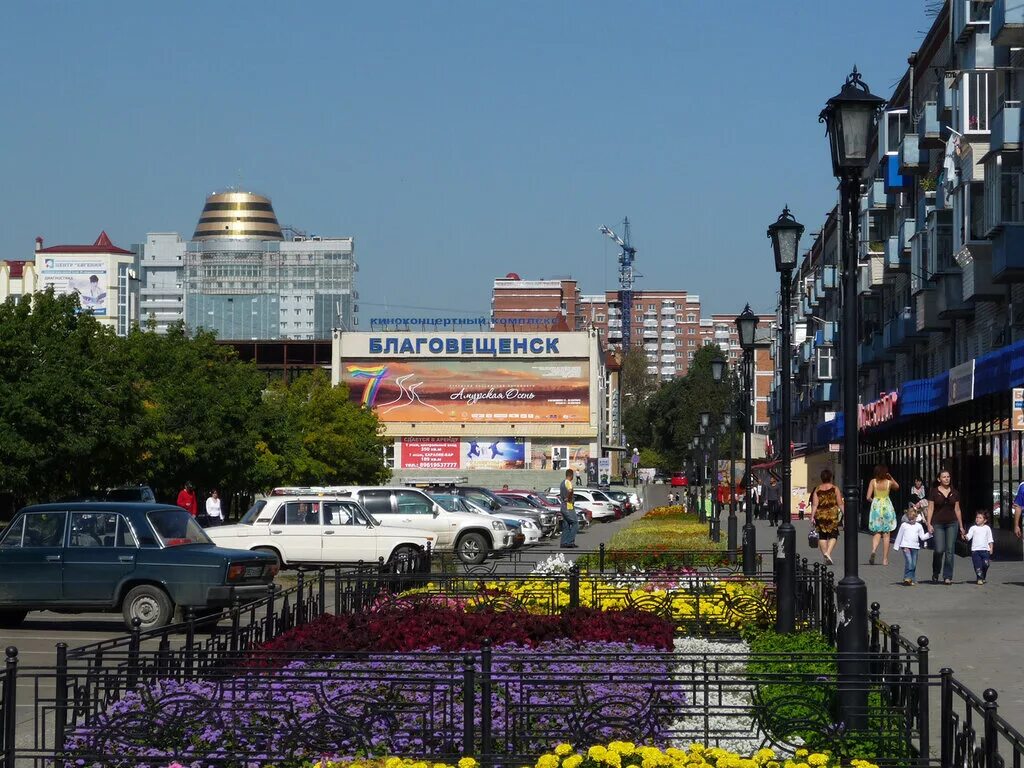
pixel 84 276
pixel 478 391
pixel 448 453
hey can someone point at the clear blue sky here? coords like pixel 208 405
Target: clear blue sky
pixel 456 141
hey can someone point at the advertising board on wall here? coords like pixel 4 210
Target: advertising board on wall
pixel 83 276
pixel 451 453
pixel 1017 410
pixel 479 391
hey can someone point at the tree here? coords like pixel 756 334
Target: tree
pixel 312 434
pixel 635 383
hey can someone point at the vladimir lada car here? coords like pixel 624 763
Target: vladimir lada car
pixel 471 537
pixel 308 528
pixel 144 560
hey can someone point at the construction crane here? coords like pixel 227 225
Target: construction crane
pixel 627 254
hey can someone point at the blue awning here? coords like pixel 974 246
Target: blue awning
pixel 992 372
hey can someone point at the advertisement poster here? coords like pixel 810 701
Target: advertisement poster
pixel 604 470
pixel 429 453
pixel 86 277
pixel 448 453
pixel 493 453
pixel 1017 414
pixel 478 391
pixel 559 457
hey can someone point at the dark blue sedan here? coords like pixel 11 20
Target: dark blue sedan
pixel 144 560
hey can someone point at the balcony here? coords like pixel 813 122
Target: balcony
pixel 668 347
pixel 829 278
pixel 1005 126
pixel 913 157
pixel 826 392
pixel 614 324
pixel 650 347
pixel 907 230
pixel 864 279
pixel 1007 25
pixel 927 314
pixel 669 335
pixel 869 353
pixel 1008 254
pixel 895 261
pixel 969 17
pixel 929 127
pixel 614 335
pixel 668 310
pixel 650 333
pixel 670 324
pixel 876 270
pixel 668 359
pixel 950 298
pixel 648 323
pixel 652 370
pixel 976 266
pixel 900 333
pixel 668 370
pixel 877 197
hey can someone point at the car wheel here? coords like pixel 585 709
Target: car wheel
pixel 403 552
pixel 472 548
pixel 271 551
pixel 11 619
pixel 150 605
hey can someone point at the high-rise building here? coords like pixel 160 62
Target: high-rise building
pixel 523 305
pixel 245 278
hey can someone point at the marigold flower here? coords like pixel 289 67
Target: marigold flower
pixel 561 749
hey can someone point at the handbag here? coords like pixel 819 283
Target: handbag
pixel 962 547
pixel 812 539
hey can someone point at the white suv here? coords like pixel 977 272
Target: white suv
pixel 471 537
pixel 307 528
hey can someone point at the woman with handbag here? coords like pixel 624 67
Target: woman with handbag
pixel 826 514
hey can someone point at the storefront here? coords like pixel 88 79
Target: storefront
pixel 472 404
pixel 966 420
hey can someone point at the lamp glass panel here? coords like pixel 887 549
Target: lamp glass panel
pixel 855 121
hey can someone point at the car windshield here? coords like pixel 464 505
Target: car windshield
pixel 617 495
pixel 598 496
pixel 448 502
pixel 176 527
pixel 484 498
pixel 515 501
pixel 254 511
pixel 472 505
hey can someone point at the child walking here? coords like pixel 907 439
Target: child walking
pixel 910 537
pixel 980 536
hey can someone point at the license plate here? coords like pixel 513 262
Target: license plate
pixel 253 571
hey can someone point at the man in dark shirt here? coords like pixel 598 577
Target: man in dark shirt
pixel 570 520
pixel 773 497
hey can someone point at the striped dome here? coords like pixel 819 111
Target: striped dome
pixel 238 214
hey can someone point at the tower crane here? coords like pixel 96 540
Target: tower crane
pixel 627 253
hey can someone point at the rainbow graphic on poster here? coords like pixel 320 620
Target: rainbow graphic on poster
pixel 375 374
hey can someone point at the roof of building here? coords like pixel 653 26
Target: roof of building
pixel 102 245
pixel 17 267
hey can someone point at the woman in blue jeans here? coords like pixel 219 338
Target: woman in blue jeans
pixel 946 523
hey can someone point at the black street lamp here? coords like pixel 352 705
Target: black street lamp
pixel 785 236
pixel 705 425
pixel 717 371
pixel 746 324
pixel 733 524
pixel 849 119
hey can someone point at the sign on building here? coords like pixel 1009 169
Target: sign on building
pixel 82 276
pixel 961 383
pixel 1017 410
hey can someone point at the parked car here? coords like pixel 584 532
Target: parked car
pixel 144 560
pixel 139 493
pixel 597 503
pixel 316 529
pixel 490 501
pixel 622 499
pixel 523 530
pixel 679 479
pixel 587 516
pixel 470 537
pixel 528 500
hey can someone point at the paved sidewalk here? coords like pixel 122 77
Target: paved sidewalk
pixel 974 630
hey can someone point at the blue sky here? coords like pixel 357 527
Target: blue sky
pixel 456 141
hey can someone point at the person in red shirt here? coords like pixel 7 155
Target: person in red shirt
pixel 187 499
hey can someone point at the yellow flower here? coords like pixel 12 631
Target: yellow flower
pixel 623 747
pixel 467 762
pixel 573 761
pixel 597 753
pixel 817 759
pixel 561 749
pixel 547 761
pixel 613 759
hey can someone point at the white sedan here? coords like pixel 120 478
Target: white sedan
pixel 314 529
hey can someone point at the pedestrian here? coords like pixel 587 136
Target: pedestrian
pixel 910 538
pixel 187 499
pixel 755 496
pixel 918 493
pixel 1018 505
pixel 570 520
pixel 826 514
pixel 944 520
pixel 773 497
pixel 213 510
pixel 982 544
pixel 882 517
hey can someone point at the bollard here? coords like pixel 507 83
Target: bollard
pixel 574 586
pixel 875 644
pixel 468 705
pixel 600 558
pixel 322 607
pixel 924 737
pixel 485 699
pixel 60 714
pixel 133 652
pixel 268 630
pixel 337 590
pixel 236 603
pixel 300 599
pixel 190 638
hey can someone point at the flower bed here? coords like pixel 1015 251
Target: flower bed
pixel 421 625
pixel 386 704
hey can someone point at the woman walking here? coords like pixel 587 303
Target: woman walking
pixel 826 514
pixel 945 522
pixel 882 518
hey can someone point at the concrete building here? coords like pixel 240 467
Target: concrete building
pixel 516 408
pixel 161 272
pixel 941 275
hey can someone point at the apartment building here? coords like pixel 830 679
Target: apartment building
pixel 941 276
pixel 525 305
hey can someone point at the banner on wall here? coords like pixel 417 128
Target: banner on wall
pixel 604 470
pixel 1017 413
pixel 449 453
pixel 479 391
pixel 85 277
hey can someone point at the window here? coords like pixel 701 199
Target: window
pixel 175 527
pixel 691 343
pixel 44 529
pixel 1002 192
pixel 376 502
pixel 651 307
pixel 978 95
pixel 895 126
pixel 343 513
pixel 824 363
pixel 298 513
pixel 93 529
pixel 413 503
pixel 12 536
pixel 691 331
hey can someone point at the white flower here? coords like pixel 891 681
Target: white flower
pixel 556 564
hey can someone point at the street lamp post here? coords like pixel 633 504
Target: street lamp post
pixel 849 119
pixel 785 236
pixel 733 525
pixel 705 424
pixel 717 372
pixel 746 324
